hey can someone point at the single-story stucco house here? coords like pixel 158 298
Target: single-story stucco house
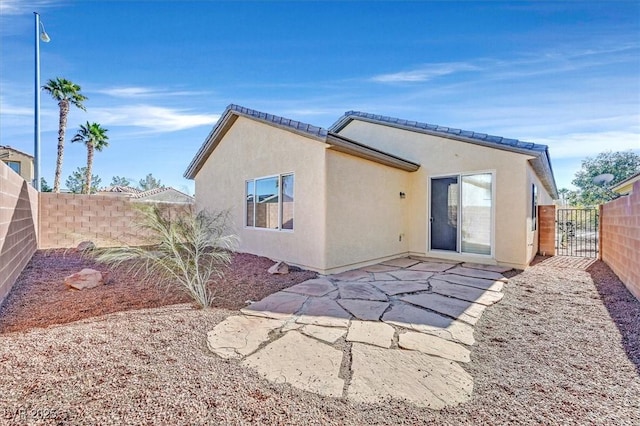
pixel 371 188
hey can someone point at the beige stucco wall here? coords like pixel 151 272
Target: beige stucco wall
pixel 249 150
pixel 26 163
pixel 440 157
pixel 544 199
pixel 367 221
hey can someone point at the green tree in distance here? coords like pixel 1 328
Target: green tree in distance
pixel 44 186
pixel 120 181
pixel 95 138
pixel 75 183
pixel 66 93
pixel 621 164
pixel 149 182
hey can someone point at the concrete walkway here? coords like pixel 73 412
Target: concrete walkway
pixel 400 329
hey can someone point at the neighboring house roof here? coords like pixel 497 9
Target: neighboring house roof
pixel 337 142
pixel 165 194
pixel 626 186
pixel 541 164
pixel 8 148
pixel 121 189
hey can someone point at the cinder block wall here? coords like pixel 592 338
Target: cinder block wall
pixel 547 230
pixel 620 247
pixel 18 226
pixel 68 219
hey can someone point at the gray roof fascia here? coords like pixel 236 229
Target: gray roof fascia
pixel 228 118
pixel 541 163
pixel 348 146
pixel 542 166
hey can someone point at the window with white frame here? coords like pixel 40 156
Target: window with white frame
pixel 269 202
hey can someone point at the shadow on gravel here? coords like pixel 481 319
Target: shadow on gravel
pixel 623 307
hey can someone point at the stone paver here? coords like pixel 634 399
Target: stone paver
pixel 324 311
pixel 477 273
pixel 434 345
pixel 353 275
pixel 278 305
pixel 406 275
pixel 393 288
pixel 360 290
pixel 302 362
pixel 315 287
pixel 327 334
pixel 494 268
pixel 424 321
pixel 379 268
pixel 471 294
pixel 371 332
pixel 291 336
pixel 383 276
pixel 432 266
pixel 368 310
pixel 425 380
pixel 403 262
pixel 240 335
pixel 472 282
pixel 455 308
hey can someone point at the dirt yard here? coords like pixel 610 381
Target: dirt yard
pixel 562 347
pixel 40 298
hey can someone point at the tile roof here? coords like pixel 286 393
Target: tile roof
pixel 281 121
pixel 9 148
pixel 336 141
pixel 434 128
pixel 121 189
pixel 541 162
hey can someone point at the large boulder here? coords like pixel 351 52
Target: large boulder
pixel 87 278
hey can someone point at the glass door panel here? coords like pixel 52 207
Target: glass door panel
pixel 476 208
pixel 444 214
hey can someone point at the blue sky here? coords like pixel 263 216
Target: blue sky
pixel 159 73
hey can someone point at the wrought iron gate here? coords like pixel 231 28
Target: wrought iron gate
pixel 577 232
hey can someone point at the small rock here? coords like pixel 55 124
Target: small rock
pixel 280 268
pixel 87 278
pixel 85 246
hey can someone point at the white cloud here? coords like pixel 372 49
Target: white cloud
pixel 145 92
pixel 424 73
pixel 151 118
pixel 582 145
pixel 22 7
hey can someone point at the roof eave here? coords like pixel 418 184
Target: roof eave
pixel 351 147
pixel 223 125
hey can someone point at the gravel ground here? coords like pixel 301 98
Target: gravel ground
pixel 39 298
pixel 562 347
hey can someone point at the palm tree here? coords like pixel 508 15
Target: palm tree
pixel 66 93
pixel 95 138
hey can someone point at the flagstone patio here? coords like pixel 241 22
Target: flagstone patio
pixel 399 329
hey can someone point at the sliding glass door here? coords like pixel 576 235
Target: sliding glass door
pixel 462 213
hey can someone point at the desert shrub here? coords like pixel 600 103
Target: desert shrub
pixel 186 248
